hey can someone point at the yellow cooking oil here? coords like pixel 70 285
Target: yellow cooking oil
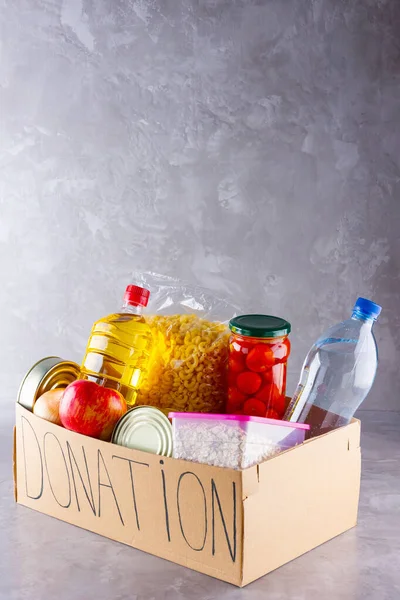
pixel 119 347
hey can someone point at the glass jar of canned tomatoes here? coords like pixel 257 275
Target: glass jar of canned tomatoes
pixel 258 351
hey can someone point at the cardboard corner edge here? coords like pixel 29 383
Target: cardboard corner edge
pixel 356 430
pixel 15 464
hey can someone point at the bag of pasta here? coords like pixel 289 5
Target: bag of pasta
pixel 188 367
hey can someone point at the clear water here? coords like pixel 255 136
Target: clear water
pixel 336 377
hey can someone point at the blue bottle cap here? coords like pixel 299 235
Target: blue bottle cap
pixel 367 308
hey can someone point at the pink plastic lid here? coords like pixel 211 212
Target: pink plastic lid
pixel 240 418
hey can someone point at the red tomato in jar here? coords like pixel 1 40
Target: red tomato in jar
pixel 268 376
pixel 235 347
pixel 248 382
pixel 232 408
pixel 236 363
pixel 235 400
pixel 268 394
pixel 241 346
pixel 231 378
pixel 260 358
pixel 271 414
pixel 265 393
pixel 279 405
pixel 235 396
pixel 281 351
pixel 254 407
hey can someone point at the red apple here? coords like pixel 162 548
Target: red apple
pixel 91 409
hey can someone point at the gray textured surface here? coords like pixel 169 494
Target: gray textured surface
pixel 42 558
pixel 252 147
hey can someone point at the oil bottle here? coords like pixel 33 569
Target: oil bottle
pixel 118 351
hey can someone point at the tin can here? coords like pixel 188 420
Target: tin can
pixel 47 374
pixel 144 428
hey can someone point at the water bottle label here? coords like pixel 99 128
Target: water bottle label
pixel 327 341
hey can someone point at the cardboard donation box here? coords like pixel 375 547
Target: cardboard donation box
pixel 233 525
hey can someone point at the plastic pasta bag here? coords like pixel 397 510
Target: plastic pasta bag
pixel 188 367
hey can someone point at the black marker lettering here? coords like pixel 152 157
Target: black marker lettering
pixel 136 462
pixel 214 494
pixel 90 498
pixel 107 485
pixel 23 419
pixel 179 511
pixel 165 502
pixel 45 438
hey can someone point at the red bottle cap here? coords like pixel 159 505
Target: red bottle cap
pixel 136 295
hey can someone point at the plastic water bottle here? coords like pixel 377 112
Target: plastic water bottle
pixel 338 372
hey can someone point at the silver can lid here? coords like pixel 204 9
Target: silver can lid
pixel 47 374
pixel 144 428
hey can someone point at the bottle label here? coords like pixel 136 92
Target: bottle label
pixel 327 341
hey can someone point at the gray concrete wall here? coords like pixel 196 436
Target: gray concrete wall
pixel 252 147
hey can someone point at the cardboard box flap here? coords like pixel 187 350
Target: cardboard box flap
pixel 345 438
pixel 351 433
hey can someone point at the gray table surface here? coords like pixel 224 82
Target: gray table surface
pixel 42 558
